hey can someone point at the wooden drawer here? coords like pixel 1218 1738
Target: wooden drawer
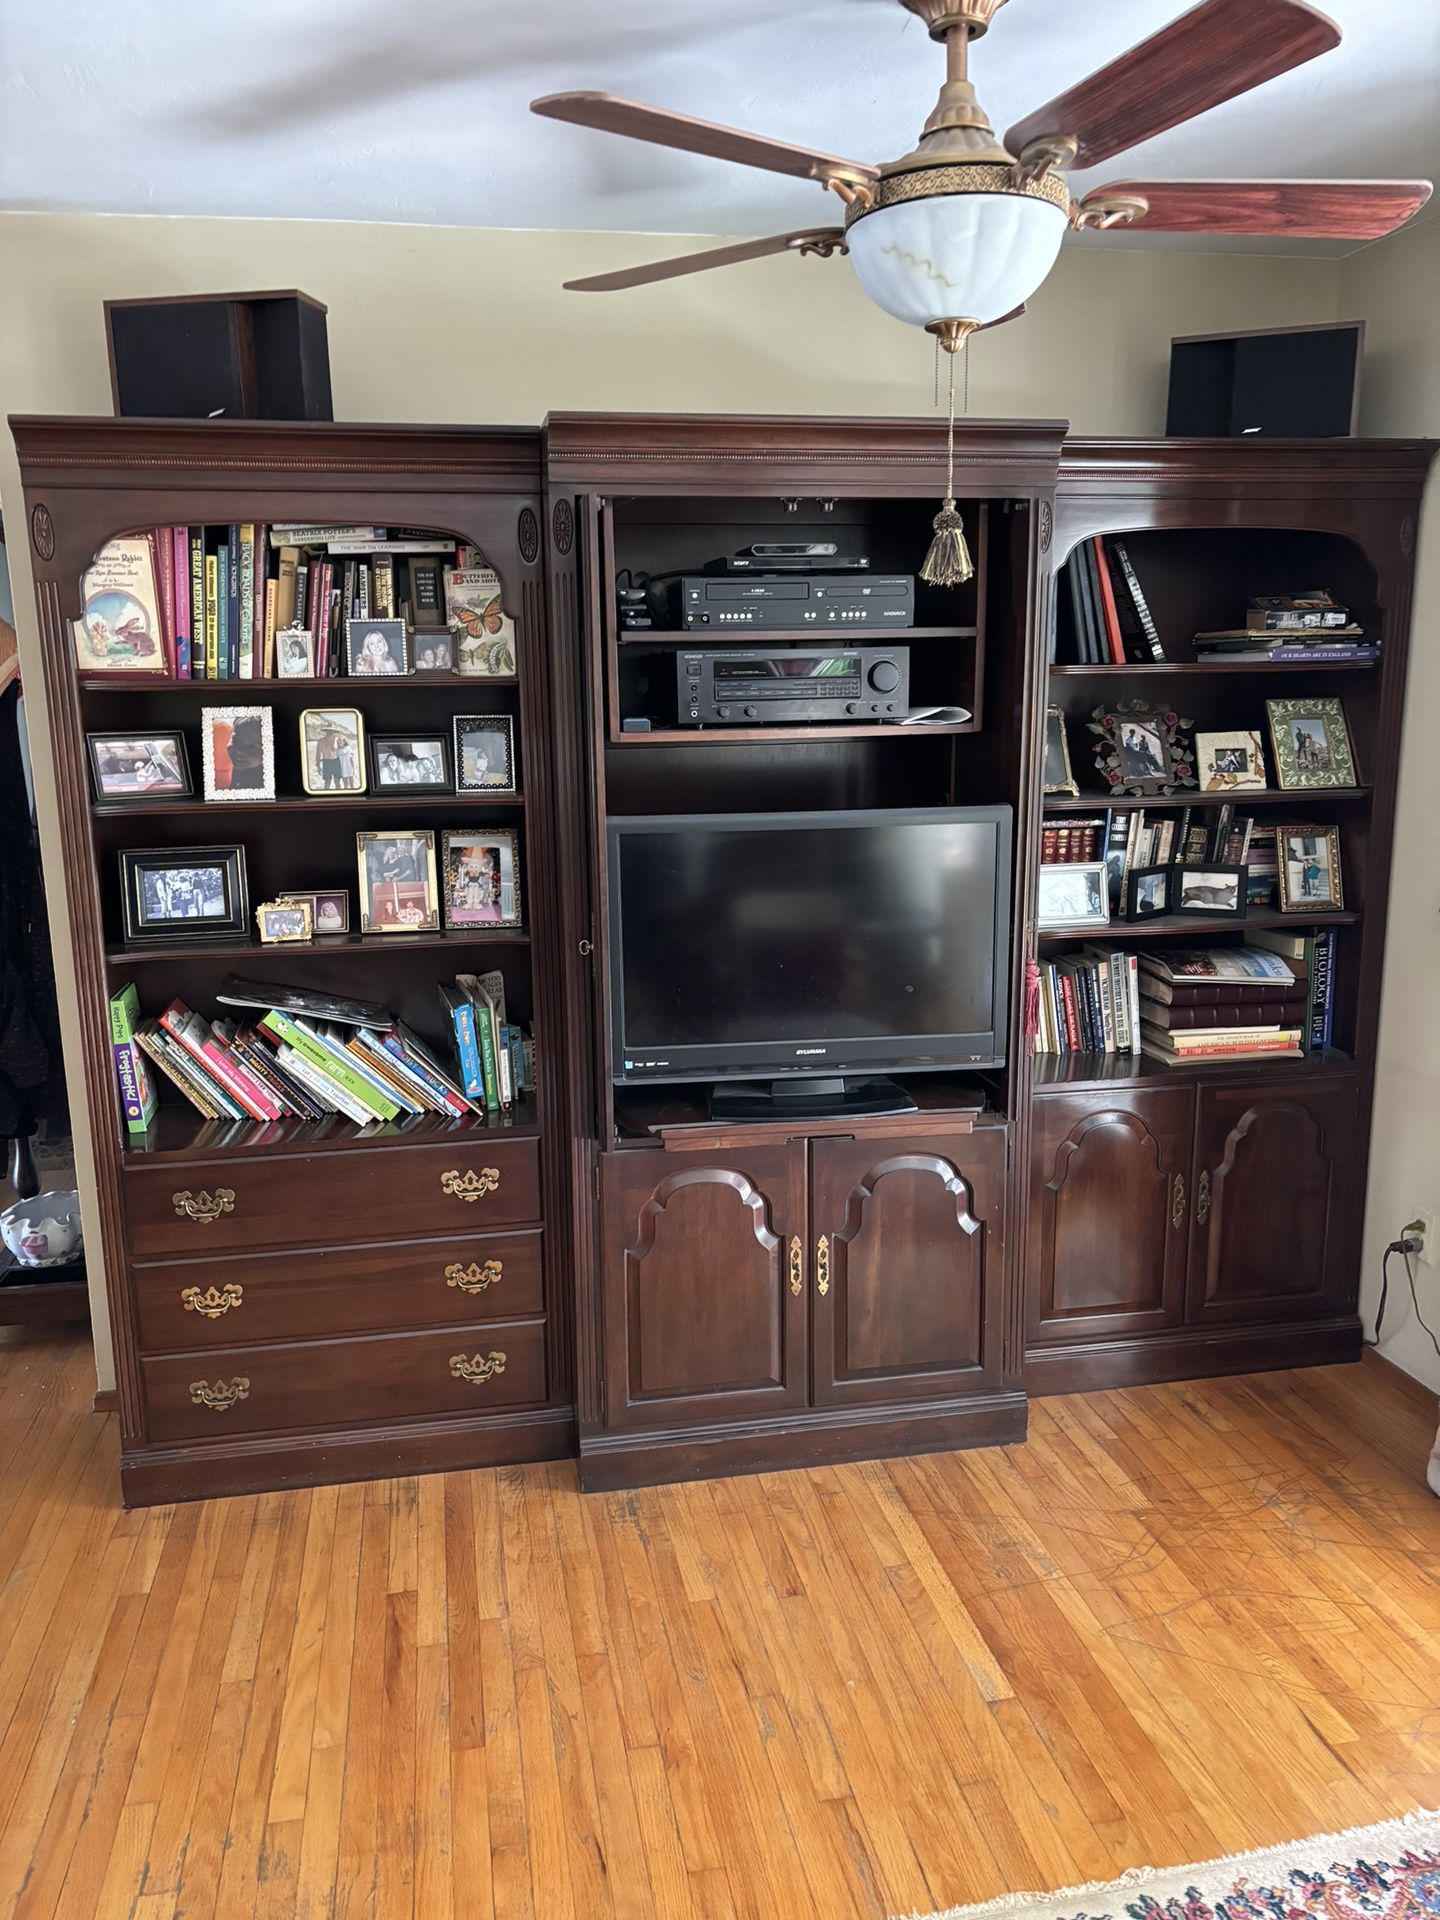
pixel 227 1205
pixel 345 1383
pixel 315 1293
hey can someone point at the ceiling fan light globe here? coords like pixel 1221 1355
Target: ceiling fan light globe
pixel 975 256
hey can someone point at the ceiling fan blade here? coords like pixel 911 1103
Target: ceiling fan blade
pixel 824 240
pixel 1217 50
pixel 608 114
pixel 1304 209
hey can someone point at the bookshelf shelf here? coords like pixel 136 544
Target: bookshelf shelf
pixel 350 945
pixel 336 682
pixel 305 803
pixel 1167 924
pixel 1242 801
pixel 762 637
pixel 1103 1072
pixel 180 1134
pixel 1210 667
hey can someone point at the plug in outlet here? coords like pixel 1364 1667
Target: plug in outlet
pixel 1423 1229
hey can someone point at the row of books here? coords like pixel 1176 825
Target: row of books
pixel 1065 841
pixel 1311 626
pixel 1272 997
pixel 1132 839
pixel 314 1055
pixel 206 602
pixel 1109 620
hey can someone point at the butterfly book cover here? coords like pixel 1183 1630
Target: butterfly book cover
pixel 119 629
pixel 484 632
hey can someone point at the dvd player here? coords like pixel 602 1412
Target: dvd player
pixel 792 602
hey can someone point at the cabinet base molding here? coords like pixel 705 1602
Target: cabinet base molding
pixel 1190 1353
pixel 612 1462
pixel 154 1476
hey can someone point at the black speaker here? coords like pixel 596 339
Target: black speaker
pixel 1300 381
pixel 228 356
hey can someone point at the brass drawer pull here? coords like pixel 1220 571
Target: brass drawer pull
pixel 1177 1205
pixel 796 1282
pixel 470 1185
pixel 474 1279
pixel 822 1265
pixel 1202 1199
pixel 478 1370
pixel 203 1207
pixel 215 1302
pixel 222 1396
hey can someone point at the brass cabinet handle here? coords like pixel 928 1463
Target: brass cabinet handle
pixel 203 1207
pixel 1177 1205
pixel 1202 1199
pixel 215 1302
pixel 796 1264
pixel 470 1184
pixel 478 1369
pixel 822 1265
pixel 475 1279
pixel 222 1396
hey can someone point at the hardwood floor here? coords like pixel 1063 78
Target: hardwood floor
pixel 1182 1621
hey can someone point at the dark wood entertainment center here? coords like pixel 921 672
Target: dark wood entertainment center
pixel 680 1296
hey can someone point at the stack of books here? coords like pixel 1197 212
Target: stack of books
pixel 1311 627
pixel 1109 618
pixel 307 1056
pixel 1089 1003
pixel 1065 841
pixel 1221 1003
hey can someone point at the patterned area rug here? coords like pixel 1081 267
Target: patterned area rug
pixel 1389 1872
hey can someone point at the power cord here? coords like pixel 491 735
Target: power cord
pixel 1405 1248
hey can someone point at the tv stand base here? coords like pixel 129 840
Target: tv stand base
pixel 831 1099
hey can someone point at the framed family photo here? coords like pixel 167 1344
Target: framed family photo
pixel 398 892
pixel 1311 743
pixel 329 911
pixel 409 763
pixel 1230 762
pixel 1141 749
pixel 1073 895
pixel 332 750
pixel 278 921
pixel 1310 870
pixel 170 893
pixel 139 766
pixel 484 753
pixel 237 746
pixel 481 871
pixel 432 652
pixel 375 647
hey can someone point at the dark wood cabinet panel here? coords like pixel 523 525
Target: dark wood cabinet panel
pixel 1109 1208
pixel 704 1297
pixel 1272 1221
pixel 906 1260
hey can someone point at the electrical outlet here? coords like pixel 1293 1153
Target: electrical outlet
pixel 1423 1228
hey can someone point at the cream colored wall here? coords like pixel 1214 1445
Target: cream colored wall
pixel 472 325
pixel 1396 288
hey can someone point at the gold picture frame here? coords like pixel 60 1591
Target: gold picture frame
pixel 1308 860
pixel 1056 774
pixel 332 750
pixel 280 921
pixel 399 886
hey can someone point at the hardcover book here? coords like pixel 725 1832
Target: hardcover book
pixel 484 632
pixel 120 629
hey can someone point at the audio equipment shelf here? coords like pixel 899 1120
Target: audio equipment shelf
pixel 721 636
pixel 813 734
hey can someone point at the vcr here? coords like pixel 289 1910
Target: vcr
pixel 728 687
pixel 790 601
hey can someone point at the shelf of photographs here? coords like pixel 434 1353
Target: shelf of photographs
pixel 1189 797
pixel 1069 670
pixel 1199 922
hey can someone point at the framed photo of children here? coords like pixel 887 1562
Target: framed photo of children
pixel 1310 869
pixel 237 747
pixel 139 766
pixel 481 868
pixel 409 763
pixel 375 647
pixel 484 753
pixel 398 893
pixel 433 652
pixel 295 654
pixel 332 750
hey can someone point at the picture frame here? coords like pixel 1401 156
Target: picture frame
pixel 1210 888
pixel 139 765
pixel 1073 894
pixel 480 876
pixel 1142 749
pixel 484 753
pixel 279 922
pixel 183 893
pixel 1147 892
pixel 375 648
pixel 332 750
pixel 1056 775
pixel 237 752
pixel 329 910
pixel 1309 869
pixel 1311 744
pixel 410 763
pixel 432 651
pixel 1230 762
pixel 399 892
pixel 295 654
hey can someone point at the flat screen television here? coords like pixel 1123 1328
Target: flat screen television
pixel 808 945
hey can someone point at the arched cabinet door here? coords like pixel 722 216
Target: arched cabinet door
pixel 1109 1213
pixel 906 1266
pixel 1273 1224
pixel 704 1286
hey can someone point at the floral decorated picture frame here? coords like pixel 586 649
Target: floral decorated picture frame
pixel 1141 749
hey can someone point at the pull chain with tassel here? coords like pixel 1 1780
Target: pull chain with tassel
pixel 948 563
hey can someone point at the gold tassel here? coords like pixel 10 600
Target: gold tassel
pixel 948 563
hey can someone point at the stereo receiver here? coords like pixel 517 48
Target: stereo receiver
pixel 730 687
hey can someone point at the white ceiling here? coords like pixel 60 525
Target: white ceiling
pixel 369 110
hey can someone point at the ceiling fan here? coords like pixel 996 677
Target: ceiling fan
pixel 957 234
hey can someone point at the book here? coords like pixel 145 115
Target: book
pixel 138 1096
pixel 230 599
pixel 245 605
pixel 484 632
pixel 1107 602
pixel 1358 655
pixel 268 629
pixel 120 629
pixel 179 542
pixel 1077 619
pixel 332 1061
pixel 194 1034
pixel 1138 600
pixel 1269 619
pixel 467 1047
pixel 1203 972
pixel 196 538
pixel 162 547
pixel 383 570
pixel 383 546
pixel 329 1007
pixel 1157 1045
pixel 427 608
pixel 1200 1014
pixel 1224 638
pixel 172 1061
pixel 411 1049
pixel 1096 646
pixel 319 536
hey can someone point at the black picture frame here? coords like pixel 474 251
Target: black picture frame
pixel 141 926
pixel 386 746
pixel 1144 886
pixel 1201 876
pixel 503 726
pixel 97 743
